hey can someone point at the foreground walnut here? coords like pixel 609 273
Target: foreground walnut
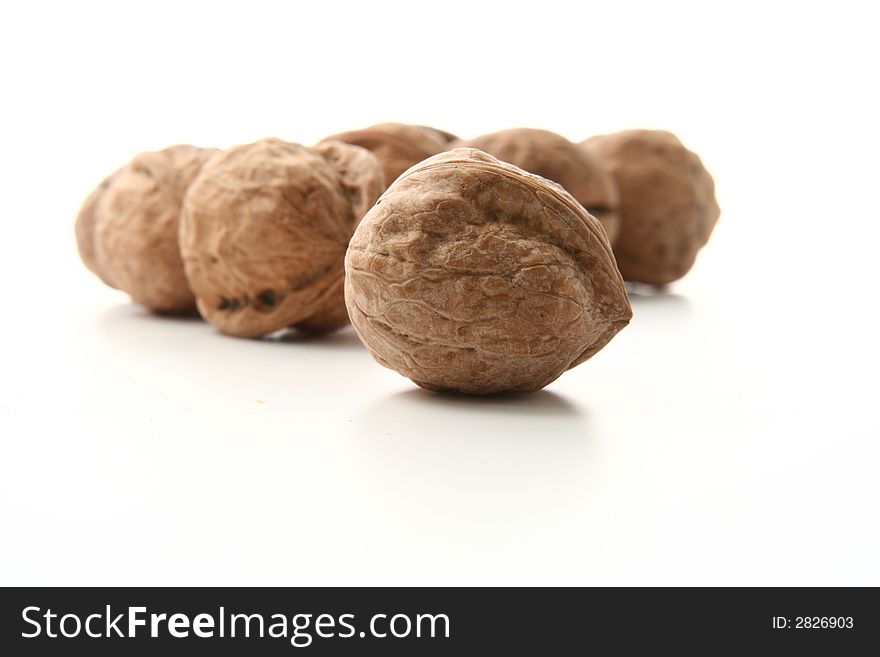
pixel 127 229
pixel 398 146
pixel 554 157
pixel 264 229
pixel 470 274
pixel 668 207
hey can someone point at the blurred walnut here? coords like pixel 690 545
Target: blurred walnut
pixel 127 229
pixel 398 146
pixel 264 229
pixel 85 231
pixel 554 157
pixel 668 207
pixel 442 135
pixel 470 274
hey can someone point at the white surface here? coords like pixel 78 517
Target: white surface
pixel 729 435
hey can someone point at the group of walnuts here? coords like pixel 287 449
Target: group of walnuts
pixel 484 265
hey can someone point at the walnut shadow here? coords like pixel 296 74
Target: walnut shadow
pixel 138 325
pixel 497 452
pixel 544 403
pixel 344 338
pixel 657 300
pixel 188 315
pixel 132 312
pixel 443 432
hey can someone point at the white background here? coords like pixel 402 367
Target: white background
pixel 729 435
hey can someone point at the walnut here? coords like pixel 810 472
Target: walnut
pixel 472 275
pixel 554 157
pixel 442 135
pixel 668 207
pixel 85 232
pixel 397 145
pixel 264 229
pixel 127 228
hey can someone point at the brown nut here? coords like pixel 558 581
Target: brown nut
pixel 85 232
pixel 472 275
pixel 442 135
pixel 362 178
pixel 554 157
pixel 263 232
pixel 397 145
pixel 127 229
pixel 668 207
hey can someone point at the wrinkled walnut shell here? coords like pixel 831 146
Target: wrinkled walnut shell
pixel 668 207
pixel 472 275
pixel 263 232
pixel 554 157
pixel 127 229
pixel 398 146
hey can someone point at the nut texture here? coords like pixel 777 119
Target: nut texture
pixel 554 157
pixel 85 232
pixel 263 232
pixel 398 146
pixel 668 207
pixel 472 275
pixel 127 229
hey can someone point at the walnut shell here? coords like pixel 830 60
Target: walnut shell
pixel 554 157
pixel 397 145
pixel 85 232
pixel 264 229
pixel 472 275
pixel 668 207
pixel 127 229
pixel 442 135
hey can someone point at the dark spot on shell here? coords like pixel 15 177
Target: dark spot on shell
pixel 267 298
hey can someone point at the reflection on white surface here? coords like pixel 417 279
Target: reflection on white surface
pixel 159 451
